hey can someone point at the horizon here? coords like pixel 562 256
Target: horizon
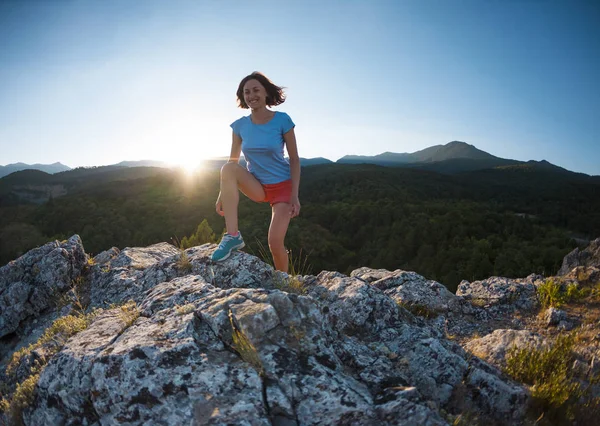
pixel 198 166
pixel 97 83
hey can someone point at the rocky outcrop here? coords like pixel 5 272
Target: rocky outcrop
pixel 200 342
pixel 32 283
pixel 231 343
pixel 588 257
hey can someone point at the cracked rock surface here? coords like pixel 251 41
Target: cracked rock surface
pixel 219 344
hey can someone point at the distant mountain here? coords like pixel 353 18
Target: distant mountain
pixel 48 168
pixel 142 163
pixel 35 186
pixel 434 153
pixel 541 166
pixel 454 157
pixel 385 159
pixel 314 161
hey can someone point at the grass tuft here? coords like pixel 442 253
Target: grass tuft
pixel 245 348
pixel 184 309
pixel 4 405
pixel 289 284
pixel 129 313
pixel 183 263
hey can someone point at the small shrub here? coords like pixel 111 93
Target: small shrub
pixel 21 399
pixel 129 313
pixel 185 309
pixel 245 348
pixel 575 292
pixel 553 294
pixel 550 294
pixel 548 373
pixel 4 405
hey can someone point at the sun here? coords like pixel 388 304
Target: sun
pixel 190 166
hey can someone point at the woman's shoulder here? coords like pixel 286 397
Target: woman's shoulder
pixel 281 114
pixel 242 119
pixel 240 122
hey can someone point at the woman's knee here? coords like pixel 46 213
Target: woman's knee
pixel 229 169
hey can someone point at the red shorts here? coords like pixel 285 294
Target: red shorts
pixel 278 192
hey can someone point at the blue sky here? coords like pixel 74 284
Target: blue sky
pixel 98 82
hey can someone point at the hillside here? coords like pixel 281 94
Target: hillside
pixel 34 186
pixel 466 226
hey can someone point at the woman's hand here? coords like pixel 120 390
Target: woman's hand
pixel 295 206
pixel 219 206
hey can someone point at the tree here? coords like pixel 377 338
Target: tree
pixel 204 234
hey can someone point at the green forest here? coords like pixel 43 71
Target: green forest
pixel 507 222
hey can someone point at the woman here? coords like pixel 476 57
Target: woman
pixel 269 177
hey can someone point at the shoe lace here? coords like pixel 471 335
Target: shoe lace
pixel 225 239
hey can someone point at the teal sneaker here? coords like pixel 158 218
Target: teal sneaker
pixel 226 246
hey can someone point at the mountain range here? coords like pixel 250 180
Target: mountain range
pixel 453 157
pixel 48 168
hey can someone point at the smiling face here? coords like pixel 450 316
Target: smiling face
pixel 255 94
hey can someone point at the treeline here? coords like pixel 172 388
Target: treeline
pixel 447 228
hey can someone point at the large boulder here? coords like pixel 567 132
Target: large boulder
pixel 502 295
pixel 495 347
pixel 588 257
pixel 35 281
pixel 413 291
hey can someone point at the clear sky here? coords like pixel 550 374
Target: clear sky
pixel 101 81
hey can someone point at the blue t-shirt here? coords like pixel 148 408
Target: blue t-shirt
pixel 262 145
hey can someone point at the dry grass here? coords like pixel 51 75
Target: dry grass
pixel 244 347
pixel 289 284
pixel 184 309
pixel 22 398
pixel 129 313
pixel 557 394
pixel 57 334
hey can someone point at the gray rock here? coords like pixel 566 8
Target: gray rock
pixel 494 347
pixel 553 317
pixel 414 291
pixel 588 257
pixel 516 294
pixel 31 284
pixel 215 343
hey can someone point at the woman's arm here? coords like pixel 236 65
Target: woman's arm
pixel 292 149
pixel 236 148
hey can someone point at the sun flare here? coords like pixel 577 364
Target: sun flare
pixel 189 165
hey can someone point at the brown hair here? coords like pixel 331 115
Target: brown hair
pixel 275 95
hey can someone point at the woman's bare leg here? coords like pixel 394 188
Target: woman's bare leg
pixel 234 177
pixel 280 220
